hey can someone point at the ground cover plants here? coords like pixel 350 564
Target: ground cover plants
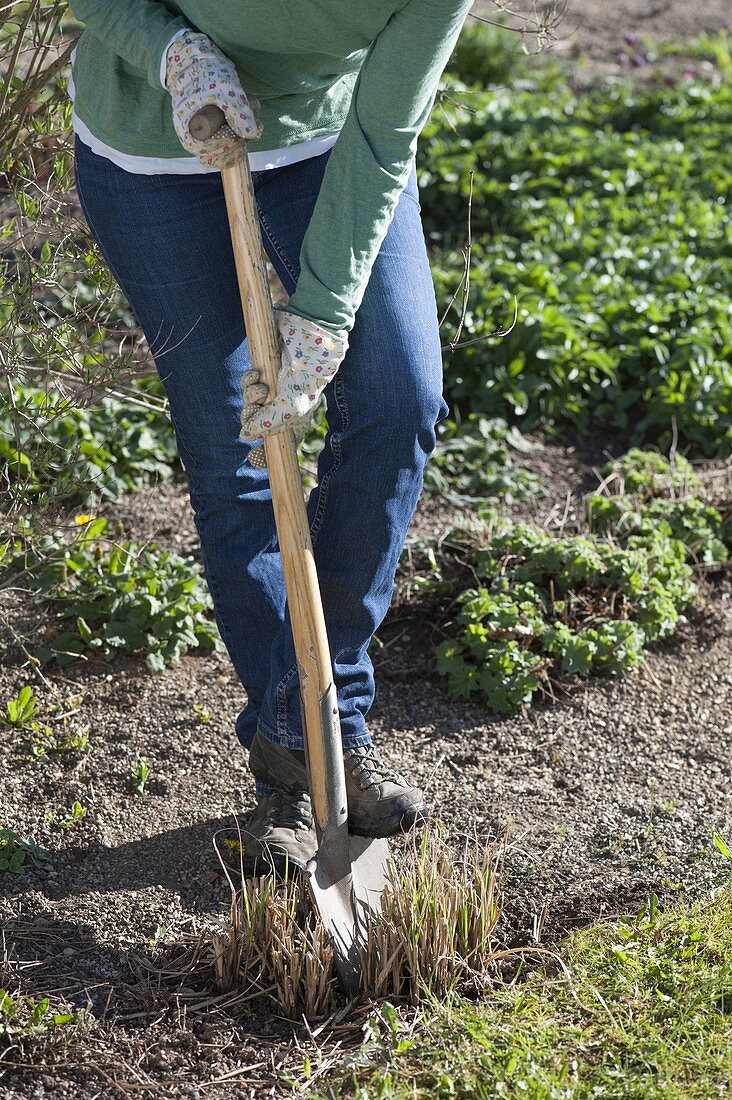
pixel 643 492
pixel 601 218
pixel 587 602
pixel 17 852
pixel 475 461
pixel 115 596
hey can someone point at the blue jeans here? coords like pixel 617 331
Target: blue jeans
pixel 166 240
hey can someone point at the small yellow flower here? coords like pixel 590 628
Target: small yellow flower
pixel 82 519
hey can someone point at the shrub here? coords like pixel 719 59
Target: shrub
pixel 50 445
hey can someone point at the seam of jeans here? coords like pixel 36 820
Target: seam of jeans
pixel 339 393
pixel 275 244
pixel 286 740
pixel 335 446
pixel 324 487
pixel 283 732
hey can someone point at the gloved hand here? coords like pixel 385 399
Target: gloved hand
pixel 196 74
pixel 311 356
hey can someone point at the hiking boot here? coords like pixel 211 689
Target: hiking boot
pixel 277 837
pixel 380 802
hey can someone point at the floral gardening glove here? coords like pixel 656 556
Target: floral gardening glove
pixel 196 74
pixel 311 357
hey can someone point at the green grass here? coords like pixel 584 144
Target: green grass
pixel 641 1009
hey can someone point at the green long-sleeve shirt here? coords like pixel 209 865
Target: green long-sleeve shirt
pixel 369 68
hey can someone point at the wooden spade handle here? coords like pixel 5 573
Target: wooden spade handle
pixel 322 732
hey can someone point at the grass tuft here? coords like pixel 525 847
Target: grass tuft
pixel 434 936
pixel 436 931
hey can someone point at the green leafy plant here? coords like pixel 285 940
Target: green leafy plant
pixel 139 776
pixel 17 852
pixel 576 605
pixel 721 845
pixel 474 461
pixel 53 726
pixel 645 493
pixel 75 815
pixel 59 744
pixel 21 709
pixel 67 818
pixel 21 1017
pixel 597 224
pixel 119 597
pixel 650 474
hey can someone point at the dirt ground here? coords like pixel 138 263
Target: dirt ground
pixel 612 38
pixel 609 795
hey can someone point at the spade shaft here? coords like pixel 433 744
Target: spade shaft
pixel 343 898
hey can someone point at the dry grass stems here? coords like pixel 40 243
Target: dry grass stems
pixel 436 931
pixel 435 934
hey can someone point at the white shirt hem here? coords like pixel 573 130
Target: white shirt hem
pixel 260 161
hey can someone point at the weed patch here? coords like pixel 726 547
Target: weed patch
pixel 24 1017
pixel 54 731
pixel 17 852
pixel 435 934
pixel 643 492
pixel 574 605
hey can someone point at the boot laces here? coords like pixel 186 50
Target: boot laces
pixel 288 811
pixel 367 767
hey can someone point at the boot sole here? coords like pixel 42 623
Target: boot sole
pixel 275 862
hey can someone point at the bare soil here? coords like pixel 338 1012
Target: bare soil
pixel 613 39
pixel 610 794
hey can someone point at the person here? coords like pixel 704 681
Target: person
pixel 328 98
